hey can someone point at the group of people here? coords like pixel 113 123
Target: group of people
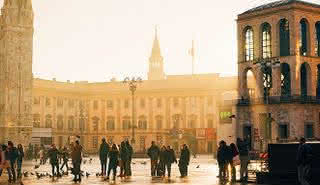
pixel 162 159
pixel 118 156
pixel 11 159
pixel 228 156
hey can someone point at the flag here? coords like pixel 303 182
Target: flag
pixel 191 51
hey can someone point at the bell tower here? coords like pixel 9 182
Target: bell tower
pixel 156 61
pixel 16 79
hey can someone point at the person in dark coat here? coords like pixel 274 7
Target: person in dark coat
pixel 113 161
pixel 221 158
pixel 243 147
pixel 184 160
pixel 233 153
pixel 130 153
pixel 19 160
pixel 153 152
pixel 124 156
pixel 103 156
pixel 65 158
pixel 76 155
pixel 12 155
pixel 304 160
pixel 171 158
pixel 161 169
pixel 53 155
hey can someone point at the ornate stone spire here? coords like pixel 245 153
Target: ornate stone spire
pixel 156 46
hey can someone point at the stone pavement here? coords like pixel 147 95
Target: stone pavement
pixel 202 170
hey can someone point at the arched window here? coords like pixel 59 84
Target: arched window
pixel 142 123
pixel 305 79
pixel 249 44
pixel 318 81
pixel 176 121
pixel 266 40
pixel 60 122
pixel 285 80
pixel 284 36
pixel 126 124
pixel 95 123
pixel 303 37
pixel 48 121
pixel 159 122
pixel 317 46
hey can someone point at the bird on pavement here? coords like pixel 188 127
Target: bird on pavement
pixel 198 166
pixel 36 166
pixel 87 174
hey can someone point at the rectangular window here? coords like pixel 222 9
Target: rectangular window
pixel 142 124
pixel 126 103
pixel 159 103
pixel 71 103
pixel 60 142
pixel 95 142
pixel 110 104
pixel 95 124
pixel 142 103
pixel 175 102
pixel 95 105
pixel 308 130
pixel 48 102
pixel 192 124
pixel 210 101
pixel 210 123
pixel 159 124
pixel 110 124
pixel 283 131
pixel 36 100
pixel 60 102
pixel 125 124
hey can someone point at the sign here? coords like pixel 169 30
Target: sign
pixel 201 133
pixel 224 115
pixel 211 133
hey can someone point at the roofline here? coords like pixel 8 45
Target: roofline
pixel 254 10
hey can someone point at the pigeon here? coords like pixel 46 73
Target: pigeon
pixel 25 174
pixel 133 162
pixel 87 174
pixel 38 175
pixel 31 173
pixel 36 166
pixel 198 166
pixel 97 174
pixel 90 161
pixel 84 161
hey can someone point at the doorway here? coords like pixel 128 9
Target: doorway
pixel 247 134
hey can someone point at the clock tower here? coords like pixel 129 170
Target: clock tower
pixel 156 61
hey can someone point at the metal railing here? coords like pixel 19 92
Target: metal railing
pixel 278 100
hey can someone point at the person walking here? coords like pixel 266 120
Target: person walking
pixel 243 147
pixel 53 155
pixel 41 156
pixel 4 162
pixel 103 156
pixel 130 154
pixel 161 169
pixel 113 161
pixel 65 158
pixel 234 153
pixel 19 160
pixel 184 160
pixel 76 156
pixel 221 158
pixel 124 156
pixel 153 153
pixel 12 155
pixel 171 158
pixel 304 160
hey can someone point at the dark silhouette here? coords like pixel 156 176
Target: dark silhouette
pixel 184 160
pixel 153 153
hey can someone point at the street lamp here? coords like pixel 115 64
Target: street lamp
pixel 266 69
pixel 133 84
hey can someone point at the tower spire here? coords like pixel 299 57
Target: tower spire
pixel 156 61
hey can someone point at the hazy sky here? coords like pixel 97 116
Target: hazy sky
pixel 96 40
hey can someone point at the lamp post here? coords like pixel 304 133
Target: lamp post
pixel 266 69
pixel 133 84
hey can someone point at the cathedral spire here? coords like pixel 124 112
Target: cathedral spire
pixel 156 61
pixel 156 46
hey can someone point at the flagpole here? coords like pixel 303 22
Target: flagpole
pixel 192 53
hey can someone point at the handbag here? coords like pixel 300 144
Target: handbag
pixel 236 160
